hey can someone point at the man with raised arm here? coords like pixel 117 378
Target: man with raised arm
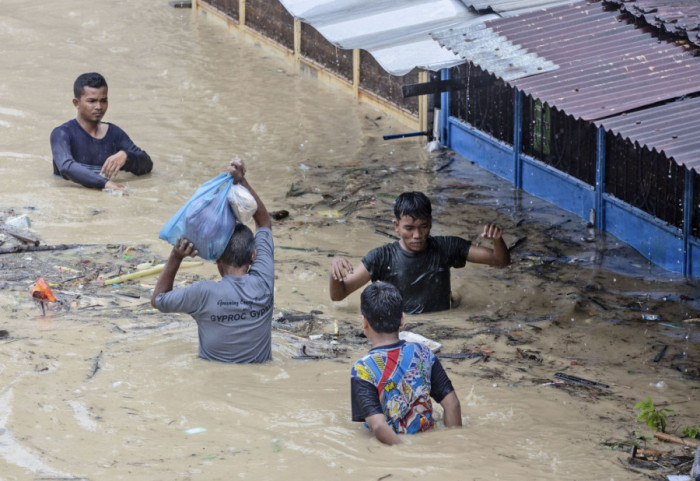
pixel 418 264
pixel 234 314
pixel 89 151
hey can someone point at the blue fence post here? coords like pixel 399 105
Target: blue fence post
pixel 517 138
pixel 687 222
pixel 445 74
pixel 600 179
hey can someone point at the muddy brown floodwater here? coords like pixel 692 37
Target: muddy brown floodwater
pixel 104 388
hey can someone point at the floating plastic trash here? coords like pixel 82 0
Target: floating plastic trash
pixel 413 337
pixel 42 291
pixel 196 430
pixel 21 221
pixel 331 214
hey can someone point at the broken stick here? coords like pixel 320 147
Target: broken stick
pixel 24 237
pixel 95 366
pixel 670 438
pixel 145 272
pixel 30 248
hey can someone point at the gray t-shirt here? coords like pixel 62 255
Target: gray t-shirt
pixel 234 315
pixel 423 278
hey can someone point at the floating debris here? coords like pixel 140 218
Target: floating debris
pixel 578 380
pixel 42 291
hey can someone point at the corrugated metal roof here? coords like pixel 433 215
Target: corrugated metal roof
pixel 508 7
pixel 677 17
pixel 671 128
pixel 397 32
pixel 607 66
pixel 492 52
pixel 593 65
pixel 588 62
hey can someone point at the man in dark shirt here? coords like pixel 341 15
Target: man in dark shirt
pixel 417 264
pixel 89 151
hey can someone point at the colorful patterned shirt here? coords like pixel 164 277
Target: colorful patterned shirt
pixel 398 381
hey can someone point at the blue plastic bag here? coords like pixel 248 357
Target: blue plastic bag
pixel 206 219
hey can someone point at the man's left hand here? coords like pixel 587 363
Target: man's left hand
pixel 492 231
pixel 113 164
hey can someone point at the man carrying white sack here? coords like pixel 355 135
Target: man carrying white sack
pixel 234 315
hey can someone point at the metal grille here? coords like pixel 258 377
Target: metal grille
pixel 315 47
pixel 272 19
pixel 389 87
pixel 229 7
pixel 644 179
pixel 458 99
pixel 559 140
pixel 488 105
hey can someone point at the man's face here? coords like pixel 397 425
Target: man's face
pixel 413 233
pixel 92 104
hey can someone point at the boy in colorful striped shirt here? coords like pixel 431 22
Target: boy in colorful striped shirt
pixel 392 385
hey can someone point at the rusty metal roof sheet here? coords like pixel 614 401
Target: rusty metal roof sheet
pixel 506 7
pixel 606 65
pixel 397 32
pixel 493 52
pixel 592 64
pixel 677 17
pixel 671 128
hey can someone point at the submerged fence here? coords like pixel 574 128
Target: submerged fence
pixel 354 70
pixel 641 196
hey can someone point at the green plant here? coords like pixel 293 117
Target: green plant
pixel 691 431
pixel 654 418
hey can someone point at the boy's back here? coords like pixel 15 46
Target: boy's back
pixel 398 381
pixel 391 386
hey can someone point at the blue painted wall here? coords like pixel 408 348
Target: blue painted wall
pixel 662 244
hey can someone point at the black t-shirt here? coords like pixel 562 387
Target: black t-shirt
pixel 423 278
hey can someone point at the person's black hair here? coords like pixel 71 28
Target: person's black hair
pixel 240 247
pixel 413 204
pixel 382 305
pixel 90 79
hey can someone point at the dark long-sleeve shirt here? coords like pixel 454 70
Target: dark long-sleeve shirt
pixel 79 157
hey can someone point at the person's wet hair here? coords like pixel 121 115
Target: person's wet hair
pixel 413 204
pixel 240 247
pixel 90 79
pixel 382 305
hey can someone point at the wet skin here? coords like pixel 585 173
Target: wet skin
pixel 92 105
pixel 413 233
